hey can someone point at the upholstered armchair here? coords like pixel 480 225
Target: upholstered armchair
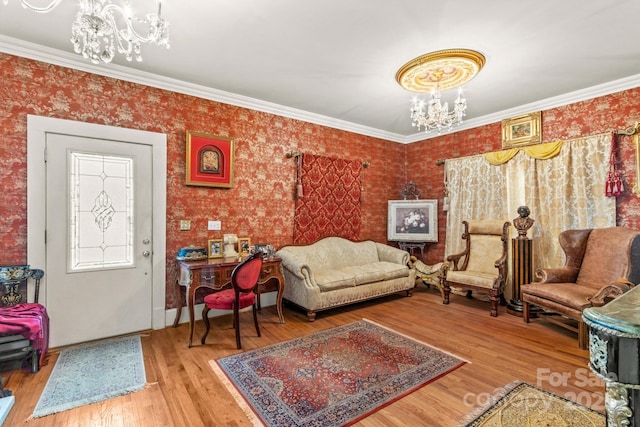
pixel 600 264
pixel 482 266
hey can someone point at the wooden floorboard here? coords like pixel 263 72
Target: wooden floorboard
pixel 182 390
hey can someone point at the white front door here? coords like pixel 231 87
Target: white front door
pixel 99 251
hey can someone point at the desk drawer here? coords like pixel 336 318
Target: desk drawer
pixel 210 276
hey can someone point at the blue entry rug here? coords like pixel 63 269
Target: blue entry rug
pixel 93 372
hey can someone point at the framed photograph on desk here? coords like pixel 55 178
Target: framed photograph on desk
pixel 215 248
pixel 244 244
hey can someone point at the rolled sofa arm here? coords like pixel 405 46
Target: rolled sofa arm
pixel 391 254
pixel 556 275
pixel 296 266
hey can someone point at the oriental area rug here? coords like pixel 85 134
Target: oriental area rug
pixel 331 378
pixel 92 372
pixel 525 405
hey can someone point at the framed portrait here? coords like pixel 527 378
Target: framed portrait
pixel 215 248
pixel 413 220
pixel 522 130
pixel 209 161
pixel 244 244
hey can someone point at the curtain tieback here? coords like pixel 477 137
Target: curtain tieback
pixel 613 187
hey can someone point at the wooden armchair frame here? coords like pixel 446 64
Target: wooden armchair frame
pixel 457 273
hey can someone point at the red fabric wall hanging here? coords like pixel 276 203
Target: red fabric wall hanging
pixel 330 202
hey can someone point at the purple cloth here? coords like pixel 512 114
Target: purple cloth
pixel 29 320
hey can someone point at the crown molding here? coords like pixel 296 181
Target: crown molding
pixel 608 88
pixel 37 52
pixel 41 53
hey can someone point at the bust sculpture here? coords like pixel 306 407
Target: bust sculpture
pixel 523 222
pixel 230 241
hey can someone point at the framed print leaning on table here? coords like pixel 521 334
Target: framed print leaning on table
pixel 413 220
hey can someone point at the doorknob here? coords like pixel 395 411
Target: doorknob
pixel 146 253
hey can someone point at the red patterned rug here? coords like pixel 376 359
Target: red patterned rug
pixel 331 378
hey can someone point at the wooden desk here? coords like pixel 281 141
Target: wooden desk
pixel 215 274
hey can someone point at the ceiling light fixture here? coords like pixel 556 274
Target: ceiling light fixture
pixel 101 28
pixel 433 73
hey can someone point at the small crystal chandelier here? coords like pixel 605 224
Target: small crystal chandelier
pixel 101 28
pixel 434 72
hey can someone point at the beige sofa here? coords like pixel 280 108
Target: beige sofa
pixel 335 271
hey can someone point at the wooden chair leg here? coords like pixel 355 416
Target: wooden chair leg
pixel 583 336
pixel 255 319
pixel 525 311
pixel 236 324
pixel 494 303
pixel 205 319
pixel 446 292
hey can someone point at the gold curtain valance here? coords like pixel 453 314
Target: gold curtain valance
pixel 540 151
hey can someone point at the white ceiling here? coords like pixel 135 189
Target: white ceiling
pixel 333 62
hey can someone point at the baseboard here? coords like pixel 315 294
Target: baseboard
pixel 266 300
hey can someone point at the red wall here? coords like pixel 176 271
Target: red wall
pixel 260 205
pixel 599 115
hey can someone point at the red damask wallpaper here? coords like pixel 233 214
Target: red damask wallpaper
pixel 261 204
pixel 616 111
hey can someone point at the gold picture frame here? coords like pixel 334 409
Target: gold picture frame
pixel 214 248
pixel 209 161
pixel 522 130
pixel 244 244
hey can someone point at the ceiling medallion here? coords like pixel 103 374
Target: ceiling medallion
pixel 441 70
pixel 433 73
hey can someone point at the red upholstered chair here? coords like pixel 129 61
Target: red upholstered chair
pixel 244 283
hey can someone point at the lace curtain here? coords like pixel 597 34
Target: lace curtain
pixel 563 192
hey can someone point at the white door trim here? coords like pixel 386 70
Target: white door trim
pixel 37 128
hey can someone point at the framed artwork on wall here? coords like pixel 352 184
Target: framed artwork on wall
pixel 522 130
pixel 215 248
pixel 209 160
pixel 412 220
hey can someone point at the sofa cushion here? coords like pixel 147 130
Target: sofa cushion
pixel 364 274
pixel 567 294
pixel 331 280
pixel 473 278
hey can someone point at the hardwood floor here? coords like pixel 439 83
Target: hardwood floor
pixel 182 389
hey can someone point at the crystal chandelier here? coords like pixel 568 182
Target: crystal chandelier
pixel 101 28
pixel 435 72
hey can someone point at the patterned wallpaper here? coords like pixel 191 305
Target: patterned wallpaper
pixel 604 114
pixel 261 204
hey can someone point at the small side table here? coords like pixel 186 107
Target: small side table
pixel 410 246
